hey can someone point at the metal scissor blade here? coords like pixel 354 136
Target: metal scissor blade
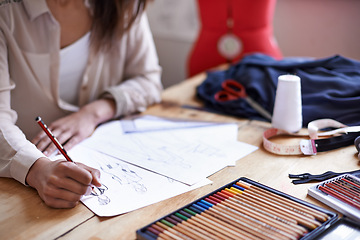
pixel 262 111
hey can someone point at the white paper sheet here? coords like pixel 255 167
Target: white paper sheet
pixel 187 155
pixel 157 164
pixel 153 123
pixel 126 187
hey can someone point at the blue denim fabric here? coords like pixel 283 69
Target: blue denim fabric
pixel 330 87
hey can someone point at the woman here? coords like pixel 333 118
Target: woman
pixel 76 64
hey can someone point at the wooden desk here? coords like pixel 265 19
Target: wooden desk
pixel 24 216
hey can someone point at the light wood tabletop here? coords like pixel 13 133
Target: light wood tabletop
pixel 23 215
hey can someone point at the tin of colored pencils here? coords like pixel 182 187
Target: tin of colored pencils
pixel 242 209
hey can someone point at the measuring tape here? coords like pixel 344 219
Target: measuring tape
pixel 342 136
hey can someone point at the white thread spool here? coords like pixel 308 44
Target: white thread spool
pixel 287 114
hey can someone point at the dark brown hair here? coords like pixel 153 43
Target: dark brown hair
pixel 111 19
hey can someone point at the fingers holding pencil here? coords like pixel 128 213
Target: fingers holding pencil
pixel 61 184
pixel 95 173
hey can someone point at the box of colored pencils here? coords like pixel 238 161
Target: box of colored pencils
pixel 242 209
pixel 342 193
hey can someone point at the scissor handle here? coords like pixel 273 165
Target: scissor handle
pixel 223 96
pixel 234 88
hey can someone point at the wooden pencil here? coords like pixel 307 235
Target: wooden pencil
pixel 301 219
pixel 231 230
pixel 323 217
pixel 240 224
pixel 274 203
pixel 338 196
pixel 219 231
pixel 240 233
pixel 256 205
pixel 175 230
pixel 214 223
pixel 351 188
pixel 279 201
pixel 186 228
pixel 203 233
pixel 291 229
pixel 259 223
pixel 344 191
pixel 257 231
pixel 159 233
pixel 244 211
pixel 285 220
pixel 250 216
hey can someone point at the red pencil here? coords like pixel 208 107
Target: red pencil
pixel 59 146
pixel 53 139
pixel 338 196
pixel 346 192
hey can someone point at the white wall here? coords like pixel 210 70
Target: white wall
pixel 318 28
pixel 314 28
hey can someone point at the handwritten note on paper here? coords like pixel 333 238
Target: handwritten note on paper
pixel 125 186
pixel 187 155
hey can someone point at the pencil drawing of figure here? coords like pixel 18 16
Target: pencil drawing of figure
pixel 121 173
pixel 99 193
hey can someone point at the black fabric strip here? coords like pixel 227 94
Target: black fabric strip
pixel 343 140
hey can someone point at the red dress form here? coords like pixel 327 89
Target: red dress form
pixel 237 28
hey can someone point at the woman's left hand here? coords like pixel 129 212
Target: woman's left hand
pixel 74 128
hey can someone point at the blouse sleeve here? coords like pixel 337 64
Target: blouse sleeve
pixel 142 84
pixel 17 154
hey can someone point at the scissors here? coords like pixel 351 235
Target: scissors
pixel 233 90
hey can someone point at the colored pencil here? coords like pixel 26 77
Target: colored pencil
pixel 291 229
pixel 230 218
pixel 241 234
pixel 205 234
pixel 254 222
pixel 301 208
pixel 186 228
pixel 339 196
pixel 246 211
pixel 272 199
pixel 346 192
pixel 176 231
pixel 352 181
pixel 159 233
pixel 352 189
pixel 278 208
pixel 222 227
pixel 254 204
pixel 258 231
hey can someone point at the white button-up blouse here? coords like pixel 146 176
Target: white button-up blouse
pixel 29 78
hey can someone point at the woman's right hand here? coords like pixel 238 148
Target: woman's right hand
pixel 60 183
